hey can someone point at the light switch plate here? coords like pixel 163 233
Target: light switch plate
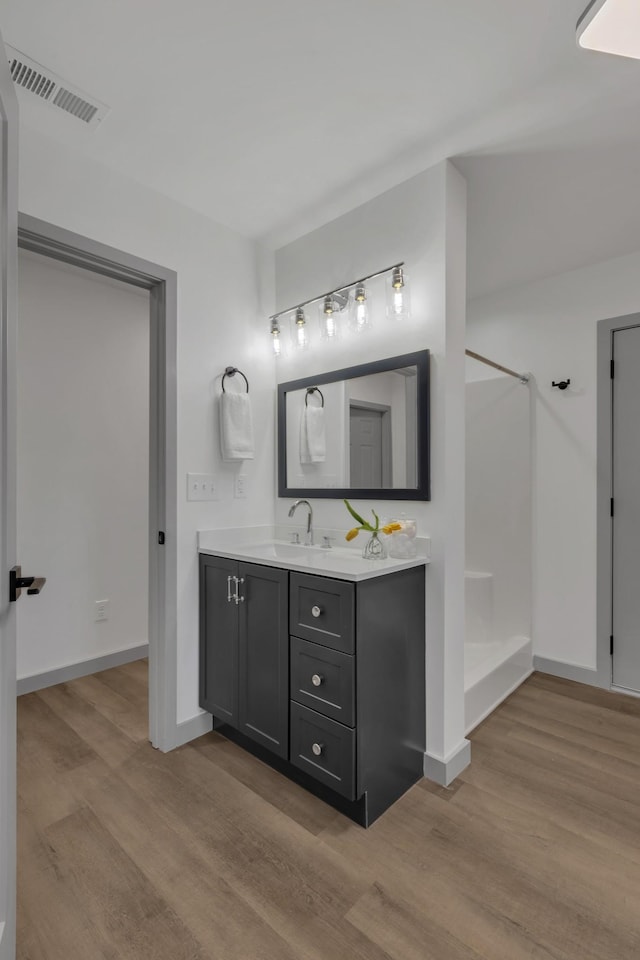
pixel 102 610
pixel 202 486
pixel 240 487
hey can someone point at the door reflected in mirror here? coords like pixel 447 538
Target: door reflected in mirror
pixel 360 431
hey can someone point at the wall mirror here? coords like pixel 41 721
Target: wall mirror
pixel 359 432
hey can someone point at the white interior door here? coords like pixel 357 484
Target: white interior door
pixel 8 299
pixel 626 512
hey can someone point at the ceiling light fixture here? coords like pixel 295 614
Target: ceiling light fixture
pixel 611 26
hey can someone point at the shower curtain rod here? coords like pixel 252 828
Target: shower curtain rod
pixel 522 377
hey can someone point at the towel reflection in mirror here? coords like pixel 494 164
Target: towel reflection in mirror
pixel 313 444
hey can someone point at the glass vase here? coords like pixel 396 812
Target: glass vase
pixel 374 548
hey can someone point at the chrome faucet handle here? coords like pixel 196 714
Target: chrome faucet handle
pixel 326 542
pixel 295 537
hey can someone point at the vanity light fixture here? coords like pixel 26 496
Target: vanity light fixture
pixel 302 334
pixel 611 26
pixel 361 320
pixel 275 334
pixel 335 302
pixel 398 296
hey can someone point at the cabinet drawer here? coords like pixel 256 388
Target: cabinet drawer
pixel 324 749
pixel 323 679
pixel 323 611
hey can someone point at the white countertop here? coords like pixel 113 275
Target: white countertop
pixel 270 546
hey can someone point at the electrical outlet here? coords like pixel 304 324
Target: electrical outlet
pixel 201 486
pixel 102 609
pixel 240 487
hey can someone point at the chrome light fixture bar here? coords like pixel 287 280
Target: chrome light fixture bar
pixel 338 290
pixel 611 26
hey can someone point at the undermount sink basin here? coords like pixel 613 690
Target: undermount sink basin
pixel 278 549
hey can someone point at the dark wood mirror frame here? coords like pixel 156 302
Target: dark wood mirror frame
pixel 422 491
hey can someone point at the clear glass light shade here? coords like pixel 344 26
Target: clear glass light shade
pixel 301 330
pixel 329 319
pixel 276 338
pixel 398 303
pixel 360 315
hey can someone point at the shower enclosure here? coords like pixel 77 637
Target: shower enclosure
pixel 497 649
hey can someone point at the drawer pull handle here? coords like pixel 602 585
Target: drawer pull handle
pixel 315 611
pixel 317 749
pixel 317 680
pixel 230 596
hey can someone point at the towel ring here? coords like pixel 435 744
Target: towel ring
pixel 313 390
pixel 230 372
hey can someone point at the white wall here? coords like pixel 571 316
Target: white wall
pixel 83 463
pixel 422 222
pixel 218 325
pixel 549 328
pixel 498 498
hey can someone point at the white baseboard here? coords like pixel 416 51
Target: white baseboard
pixel 38 681
pixel 567 671
pixel 445 771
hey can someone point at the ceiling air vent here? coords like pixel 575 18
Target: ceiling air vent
pixel 32 77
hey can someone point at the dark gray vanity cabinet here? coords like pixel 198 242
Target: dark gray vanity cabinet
pixel 325 676
pixel 244 649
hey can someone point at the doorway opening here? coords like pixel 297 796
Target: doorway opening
pixel 53 242
pixel 370 445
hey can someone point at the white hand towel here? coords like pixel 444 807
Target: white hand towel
pixel 313 447
pixel 236 428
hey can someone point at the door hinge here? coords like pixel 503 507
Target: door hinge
pixel 612 368
pixel 161 537
pixel 611 507
pixel 611 645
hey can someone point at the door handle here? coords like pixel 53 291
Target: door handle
pixel 229 594
pixel 18 583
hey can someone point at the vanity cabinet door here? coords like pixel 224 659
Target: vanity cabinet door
pixel 263 668
pixel 218 639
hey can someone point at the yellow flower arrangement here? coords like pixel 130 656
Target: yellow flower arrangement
pixel 388 528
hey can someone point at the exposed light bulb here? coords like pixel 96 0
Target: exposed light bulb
pixel 361 309
pixel 398 300
pixel 275 338
pixel 329 325
pixel 302 334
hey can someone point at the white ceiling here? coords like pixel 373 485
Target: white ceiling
pixel 269 115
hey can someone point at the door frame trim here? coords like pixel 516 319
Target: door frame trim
pixel 49 240
pixel 604 591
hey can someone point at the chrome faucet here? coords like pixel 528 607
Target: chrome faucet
pixel 308 541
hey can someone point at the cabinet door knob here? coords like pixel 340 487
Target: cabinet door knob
pixel 315 611
pixel 317 680
pixel 317 749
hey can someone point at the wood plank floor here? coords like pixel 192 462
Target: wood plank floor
pixel 207 854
